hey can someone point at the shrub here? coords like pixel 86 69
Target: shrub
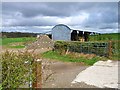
pixel 16 68
pixel 98 48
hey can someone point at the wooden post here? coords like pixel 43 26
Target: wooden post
pixel 110 49
pixel 38 75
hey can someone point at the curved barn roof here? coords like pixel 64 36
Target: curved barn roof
pixel 61 25
pixel 84 30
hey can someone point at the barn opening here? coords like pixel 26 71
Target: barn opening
pixel 80 36
pixel 74 35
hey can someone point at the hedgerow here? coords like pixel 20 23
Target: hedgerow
pixel 16 69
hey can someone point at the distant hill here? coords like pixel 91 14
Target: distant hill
pixel 17 34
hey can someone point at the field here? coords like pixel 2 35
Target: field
pixel 105 37
pixel 16 42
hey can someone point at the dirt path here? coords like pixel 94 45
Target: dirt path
pixel 64 74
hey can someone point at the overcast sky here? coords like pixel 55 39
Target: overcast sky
pixel 42 17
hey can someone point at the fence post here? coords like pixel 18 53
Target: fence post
pixel 38 74
pixel 110 49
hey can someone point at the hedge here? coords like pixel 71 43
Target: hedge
pixel 98 48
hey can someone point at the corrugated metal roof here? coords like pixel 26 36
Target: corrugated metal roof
pixel 85 30
pixel 62 25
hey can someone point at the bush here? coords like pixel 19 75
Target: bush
pixel 16 68
pixel 115 50
pixel 81 47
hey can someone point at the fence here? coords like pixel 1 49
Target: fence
pixel 38 75
pixel 114 50
pixel 107 49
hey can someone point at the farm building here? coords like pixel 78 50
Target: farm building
pixel 63 32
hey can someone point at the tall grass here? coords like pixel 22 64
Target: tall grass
pixel 16 68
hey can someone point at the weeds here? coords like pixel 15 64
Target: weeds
pixel 21 68
pixel 73 57
pixel 16 68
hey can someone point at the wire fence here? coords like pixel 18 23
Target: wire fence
pixel 107 49
pixel 91 48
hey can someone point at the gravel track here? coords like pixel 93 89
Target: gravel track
pixel 64 74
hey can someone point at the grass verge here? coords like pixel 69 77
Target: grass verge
pixel 71 57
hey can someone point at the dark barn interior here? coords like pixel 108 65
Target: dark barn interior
pixel 80 35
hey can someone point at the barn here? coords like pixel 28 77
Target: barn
pixel 63 32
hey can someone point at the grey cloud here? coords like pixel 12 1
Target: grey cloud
pixel 101 15
pixel 45 9
pixel 102 19
pixel 54 9
pixel 109 26
pixel 32 22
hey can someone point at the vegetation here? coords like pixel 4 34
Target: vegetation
pixel 72 57
pixel 98 48
pixel 115 50
pixel 105 37
pixel 17 34
pixel 16 69
pixel 114 37
pixel 16 42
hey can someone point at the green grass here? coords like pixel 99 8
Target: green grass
pixel 105 37
pixel 0 41
pixel 18 46
pixel 9 42
pixel 67 58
